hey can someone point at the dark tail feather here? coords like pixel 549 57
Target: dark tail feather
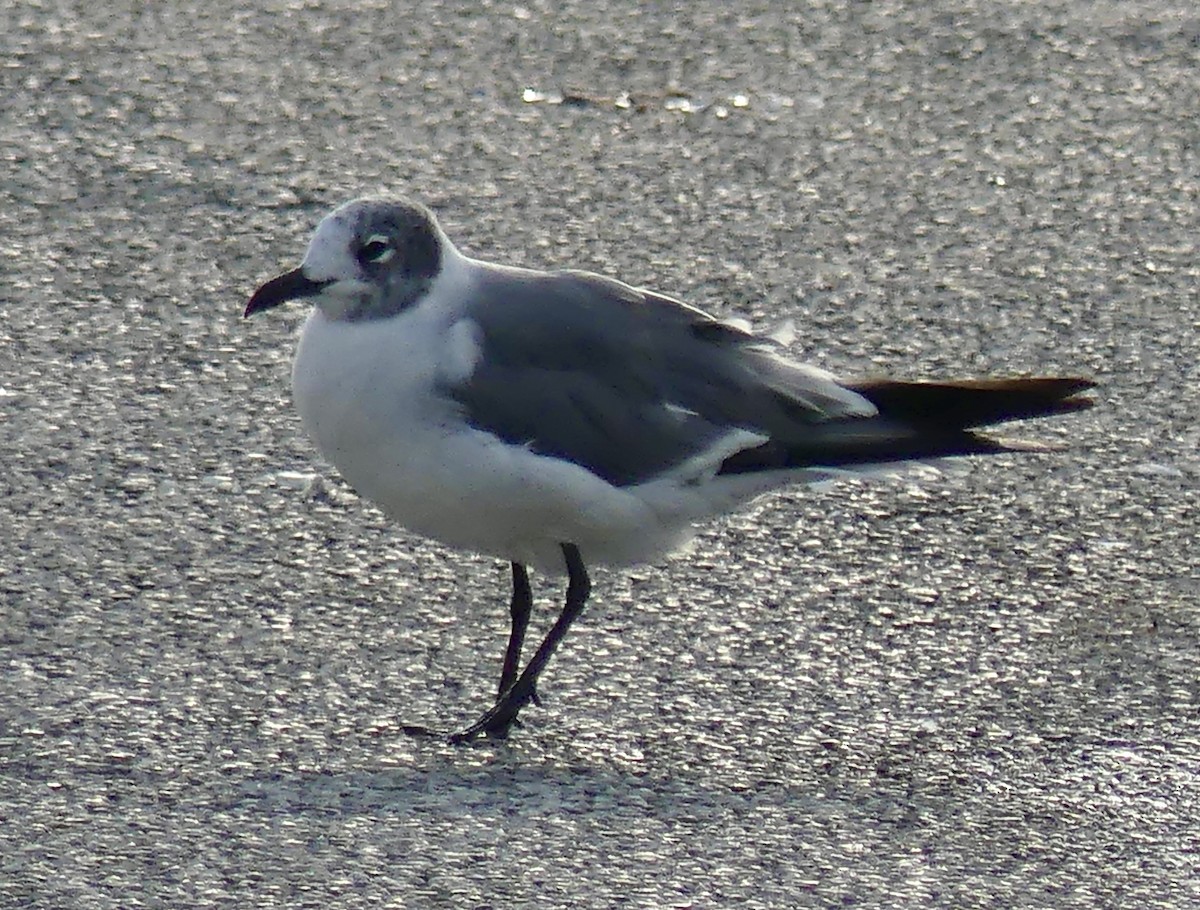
pixel 973 402
pixel 919 420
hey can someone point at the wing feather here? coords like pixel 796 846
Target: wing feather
pixel 626 382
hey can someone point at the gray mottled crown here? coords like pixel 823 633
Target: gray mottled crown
pixel 409 226
pixel 392 246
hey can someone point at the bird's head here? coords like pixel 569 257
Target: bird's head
pixel 368 259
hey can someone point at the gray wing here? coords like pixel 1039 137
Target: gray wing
pixel 626 382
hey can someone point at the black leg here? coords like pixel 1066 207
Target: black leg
pixel 519 608
pixel 522 603
pixel 497 721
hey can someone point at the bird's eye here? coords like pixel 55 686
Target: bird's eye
pixel 377 249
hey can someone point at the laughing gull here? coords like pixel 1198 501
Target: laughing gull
pixel 554 419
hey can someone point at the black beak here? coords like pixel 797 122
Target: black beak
pixel 289 286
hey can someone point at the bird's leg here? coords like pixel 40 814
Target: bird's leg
pixel 497 721
pixel 519 608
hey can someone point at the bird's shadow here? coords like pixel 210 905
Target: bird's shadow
pixel 462 782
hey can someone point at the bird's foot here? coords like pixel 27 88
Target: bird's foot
pixel 501 717
pixel 418 730
pixel 495 723
pixel 533 695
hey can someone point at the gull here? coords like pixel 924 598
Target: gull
pixel 556 419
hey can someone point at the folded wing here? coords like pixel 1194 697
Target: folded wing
pixel 628 384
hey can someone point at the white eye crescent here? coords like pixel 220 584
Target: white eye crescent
pixel 376 250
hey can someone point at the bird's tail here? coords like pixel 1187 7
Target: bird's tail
pixel 919 420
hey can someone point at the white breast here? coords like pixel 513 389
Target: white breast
pixel 368 394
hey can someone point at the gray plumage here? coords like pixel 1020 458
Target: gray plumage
pixel 627 382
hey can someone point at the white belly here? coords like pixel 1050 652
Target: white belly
pixel 365 392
